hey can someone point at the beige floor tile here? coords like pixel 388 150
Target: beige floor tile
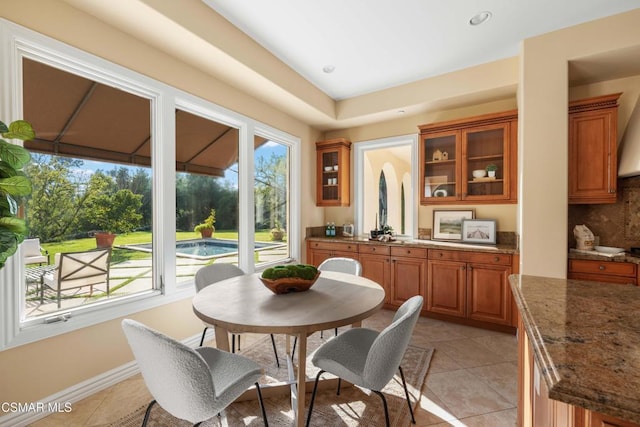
pixel 507 418
pixel 502 344
pixel 441 362
pixel 469 353
pixel 502 377
pixel 120 400
pixel 465 394
pixel 431 410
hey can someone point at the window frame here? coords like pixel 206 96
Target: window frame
pixel 18 42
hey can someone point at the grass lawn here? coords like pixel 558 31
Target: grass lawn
pixel 119 255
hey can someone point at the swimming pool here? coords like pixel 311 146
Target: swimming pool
pixel 206 248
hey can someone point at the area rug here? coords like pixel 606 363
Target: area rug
pixel 353 407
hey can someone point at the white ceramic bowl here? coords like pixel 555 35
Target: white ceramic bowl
pixel 479 173
pixel 335 167
pixel 608 250
pixel 328 168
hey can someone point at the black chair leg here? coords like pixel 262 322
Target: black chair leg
pixel 406 393
pixel 336 332
pixel 147 412
pixel 275 350
pixel 203 334
pixel 293 352
pixel 321 334
pixel 313 396
pixel 233 343
pixel 264 412
pixel 384 403
pixel 339 384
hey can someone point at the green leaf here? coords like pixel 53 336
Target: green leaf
pixel 14 155
pixel 6 170
pixel 20 129
pixel 16 186
pixel 8 245
pixel 14 225
pixel 3 128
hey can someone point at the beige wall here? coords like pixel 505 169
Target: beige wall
pixel 542 104
pixel 34 371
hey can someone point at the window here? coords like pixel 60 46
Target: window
pixel 383 170
pixel 168 157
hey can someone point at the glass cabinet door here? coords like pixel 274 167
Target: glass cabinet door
pixel 440 156
pixel 330 177
pixel 485 172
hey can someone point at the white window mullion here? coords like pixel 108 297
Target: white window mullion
pixel 246 220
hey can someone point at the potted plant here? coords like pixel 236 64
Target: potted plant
pixel 114 214
pixel 13 182
pixel 206 228
pixel 277 233
pixel 491 170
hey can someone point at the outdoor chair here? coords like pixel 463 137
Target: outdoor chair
pixel 193 385
pixel 368 358
pixel 216 272
pixel 33 253
pixel 75 270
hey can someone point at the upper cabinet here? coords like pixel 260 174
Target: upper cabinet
pixel 456 158
pixel 333 169
pixel 593 161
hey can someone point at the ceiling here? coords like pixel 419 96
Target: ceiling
pixel 391 57
pixel 375 45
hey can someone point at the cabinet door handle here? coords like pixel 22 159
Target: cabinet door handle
pixel 601 267
pixel 463 268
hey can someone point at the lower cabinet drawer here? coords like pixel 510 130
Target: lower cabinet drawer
pixel 612 268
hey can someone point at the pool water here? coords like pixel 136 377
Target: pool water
pixel 205 248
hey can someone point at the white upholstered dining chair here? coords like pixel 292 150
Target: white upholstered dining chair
pixel 368 358
pixel 193 385
pixel 216 272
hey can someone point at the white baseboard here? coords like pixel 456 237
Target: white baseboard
pixel 76 393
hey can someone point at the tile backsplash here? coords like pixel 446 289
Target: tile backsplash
pixel 605 220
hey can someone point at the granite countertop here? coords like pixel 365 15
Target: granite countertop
pixel 595 256
pixel 420 243
pixel 586 341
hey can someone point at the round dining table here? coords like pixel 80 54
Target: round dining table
pixel 244 304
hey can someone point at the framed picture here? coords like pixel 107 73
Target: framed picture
pixel 479 231
pixel 447 224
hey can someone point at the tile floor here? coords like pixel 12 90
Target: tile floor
pixel 472 381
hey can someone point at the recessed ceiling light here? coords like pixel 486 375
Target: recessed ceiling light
pixel 401 111
pixel 480 18
pixel 328 69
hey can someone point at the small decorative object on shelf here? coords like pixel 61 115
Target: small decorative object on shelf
pixel 437 155
pixel 445 155
pixel 283 279
pixel 491 170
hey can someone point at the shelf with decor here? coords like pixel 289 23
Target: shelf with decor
pixel 455 154
pixel 333 169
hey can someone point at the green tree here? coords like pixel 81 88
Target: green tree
pixel 271 184
pixel 108 208
pixel 52 210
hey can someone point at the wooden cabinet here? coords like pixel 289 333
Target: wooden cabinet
pixel 593 161
pixel 470 285
pixel 603 271
pixel 333 169
pixel 319 251
pixel 408 273
pixel 376 265
pixel 450 152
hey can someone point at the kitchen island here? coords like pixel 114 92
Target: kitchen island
pixel 579 355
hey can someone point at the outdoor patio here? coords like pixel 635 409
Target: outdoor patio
pixel 134 274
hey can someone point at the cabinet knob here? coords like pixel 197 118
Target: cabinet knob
pixel 408 251
pixel 601 267
pixel 440 254
pixel 373 249
pixel 496 259
pixel 463 268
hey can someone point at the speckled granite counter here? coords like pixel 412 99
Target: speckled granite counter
pixel 429 244
pixel 586 341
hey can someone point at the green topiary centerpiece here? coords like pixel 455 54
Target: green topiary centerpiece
pixel 283 279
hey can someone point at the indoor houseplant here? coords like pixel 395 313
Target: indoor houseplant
pixel 491 169
pixel 206 228
pixel 13 182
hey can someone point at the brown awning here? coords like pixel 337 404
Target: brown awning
pixel 77 117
